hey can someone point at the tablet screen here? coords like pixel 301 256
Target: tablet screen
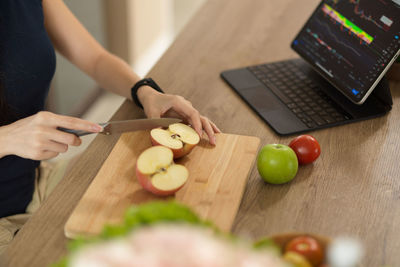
pixel 352 43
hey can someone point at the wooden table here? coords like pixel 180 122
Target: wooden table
pixel 353 189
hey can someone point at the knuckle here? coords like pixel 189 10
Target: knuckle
pixel 43 115
pixel 195 113
pixel 38 130
pixel 37 144
pixel 69 120
pixel 179 99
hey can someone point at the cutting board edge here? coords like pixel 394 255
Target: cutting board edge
pixel 247 179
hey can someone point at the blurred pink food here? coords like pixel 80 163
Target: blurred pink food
pixel 173 246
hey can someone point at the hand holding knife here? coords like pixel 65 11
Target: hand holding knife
pixel 116 127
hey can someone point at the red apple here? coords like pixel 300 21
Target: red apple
pixel 180 138
pixel 157 172
pixel 308 247
pixel 306 147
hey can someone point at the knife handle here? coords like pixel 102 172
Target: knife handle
pixel 80 132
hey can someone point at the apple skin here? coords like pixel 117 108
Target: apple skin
pixel 178 153
pixel 277 164
pixel 187 148
pixel 296 259
pixel 145 182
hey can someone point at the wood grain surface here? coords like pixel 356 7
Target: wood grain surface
pixel 352 189
pixel 217 178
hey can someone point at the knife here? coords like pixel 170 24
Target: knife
pixel 116 127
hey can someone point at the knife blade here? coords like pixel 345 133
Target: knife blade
pixel 116 127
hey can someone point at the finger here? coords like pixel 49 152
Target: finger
pixel 190 113
pixel 173 114
pixel 216 129
pixel 69 122
pixel 195 121
pixel 63 137
pixel 55 147
pixel 209 130
pixel 152 113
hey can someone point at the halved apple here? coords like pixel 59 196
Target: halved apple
pixel 180 138
pixel 157 172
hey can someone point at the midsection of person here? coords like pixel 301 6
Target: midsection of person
pixel 27 66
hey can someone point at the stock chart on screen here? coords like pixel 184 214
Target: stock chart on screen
pixel 351 41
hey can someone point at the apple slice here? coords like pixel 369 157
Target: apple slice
pixel 157 173
pixel 180 138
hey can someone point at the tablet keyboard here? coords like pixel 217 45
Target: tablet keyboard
pixel 299 93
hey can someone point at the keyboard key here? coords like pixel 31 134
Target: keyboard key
pixel 323 113
pixel 318 120
pixel 301 104
pixel 310 112
pixel 280 95
pixel 328 119
pixel 311 125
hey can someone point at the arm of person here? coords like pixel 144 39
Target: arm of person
pixel 75 43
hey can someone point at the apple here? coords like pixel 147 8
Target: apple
pixel 277 164
pixel 308 247
pixel 297 260
pixel 180 138
pixel 157 172
pixel 306 148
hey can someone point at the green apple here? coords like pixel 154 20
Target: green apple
pixel 277 164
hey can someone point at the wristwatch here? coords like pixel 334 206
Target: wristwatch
pixel 143 82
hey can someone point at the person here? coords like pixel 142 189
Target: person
pixel 29 32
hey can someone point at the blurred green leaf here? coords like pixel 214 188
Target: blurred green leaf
pixel 269 244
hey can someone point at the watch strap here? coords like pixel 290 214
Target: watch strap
pixel 143 82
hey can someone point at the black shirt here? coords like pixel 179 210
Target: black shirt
pixel 27 65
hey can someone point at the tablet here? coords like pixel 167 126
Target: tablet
pixel 351 43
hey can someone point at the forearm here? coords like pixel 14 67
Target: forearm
pixel 4 151
pixel 114 74
pixel 75 43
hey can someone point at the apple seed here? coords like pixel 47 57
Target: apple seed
pixel 175 136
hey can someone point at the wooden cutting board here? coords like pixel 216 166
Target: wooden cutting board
pixel 217 179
